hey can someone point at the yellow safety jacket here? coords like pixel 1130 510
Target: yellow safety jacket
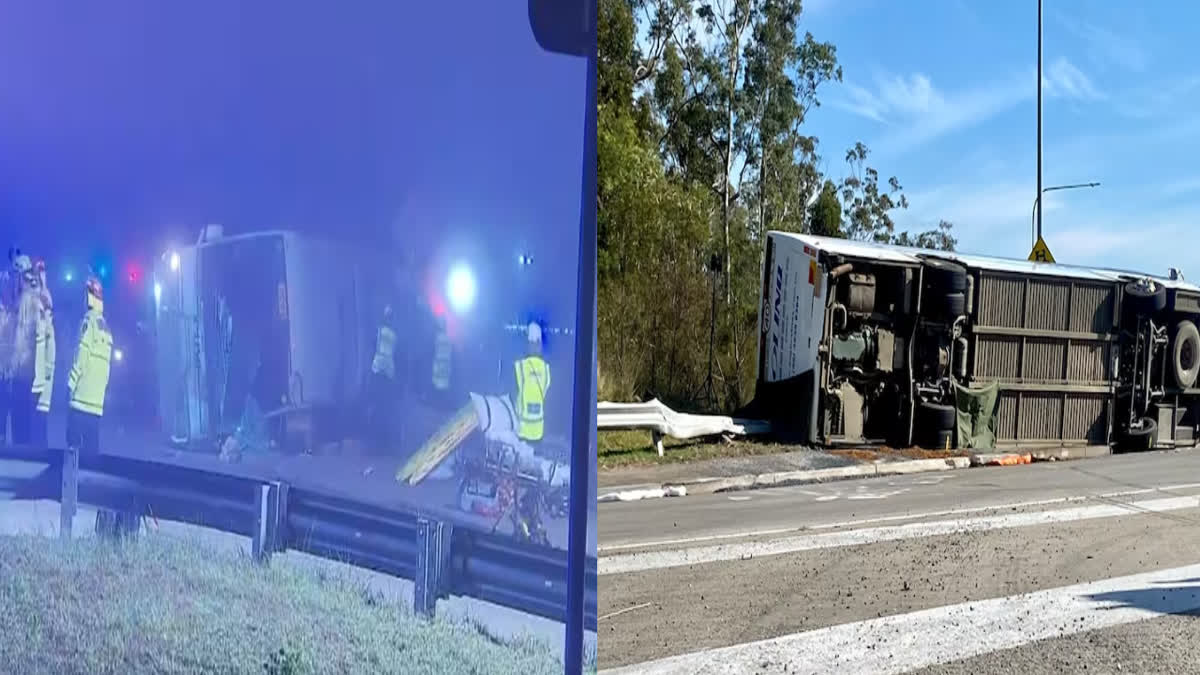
pixel 441 362
pixel 385 352
pixel 533 381
pixel 88 380
pixel 43 360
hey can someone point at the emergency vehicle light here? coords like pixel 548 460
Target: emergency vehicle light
pixel 460 288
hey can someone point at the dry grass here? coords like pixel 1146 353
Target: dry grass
pixel 635 448
pixel 164 605
pixel 886 454
pixel 619 449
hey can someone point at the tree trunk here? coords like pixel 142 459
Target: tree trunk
pixel 734 63
pixel 762 165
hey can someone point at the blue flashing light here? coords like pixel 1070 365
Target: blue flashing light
pixel 460 288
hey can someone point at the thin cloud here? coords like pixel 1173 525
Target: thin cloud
pixel 995 219
pixel 919 111
pixel 1106 47
pixel 1064 79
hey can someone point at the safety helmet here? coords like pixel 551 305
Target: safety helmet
pixel 534 333
pixel 22 264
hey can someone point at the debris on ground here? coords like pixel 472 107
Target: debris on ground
pixel 889 454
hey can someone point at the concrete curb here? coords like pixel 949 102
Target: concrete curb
pixel 708 486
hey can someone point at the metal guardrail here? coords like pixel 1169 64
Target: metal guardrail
pixel 663 421
pixel 440 558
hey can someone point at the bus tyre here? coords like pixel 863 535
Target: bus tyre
pixel 937 417
pixel 1143 438
pixel 943 276
pixel 941 439
pixel 1185 354
pixel 954 305
pixel 1145 298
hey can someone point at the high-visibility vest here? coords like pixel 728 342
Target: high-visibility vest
pixel 441 362
pixel 43 361
pixel 385 351
pixel 533 381
pixel 88 380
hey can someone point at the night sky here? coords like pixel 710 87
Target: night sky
pixel 126 125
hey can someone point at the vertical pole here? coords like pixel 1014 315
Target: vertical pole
pixel 1039 121
pixel 433 542
pixel 69 496
pixel 583 427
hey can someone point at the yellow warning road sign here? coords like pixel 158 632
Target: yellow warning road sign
pixel 1041 252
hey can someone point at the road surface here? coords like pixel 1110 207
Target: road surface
pixel 1058 567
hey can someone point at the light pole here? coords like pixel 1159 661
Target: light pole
pixel 1037 211
pixel 1039 126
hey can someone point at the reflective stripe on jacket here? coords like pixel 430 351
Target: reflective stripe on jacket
pixel 88 380
pixel 385 352
pixel 441 362
pixel 43 361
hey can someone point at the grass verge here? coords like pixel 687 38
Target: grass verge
pixel 618 449
pixel 165 605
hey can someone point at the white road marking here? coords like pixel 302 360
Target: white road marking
pixel 905 642
pixel 652 560
pixel 886 519
pixel 739 499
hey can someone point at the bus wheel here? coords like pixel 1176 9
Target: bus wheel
pixel 1141 438
pixel 1185 354
pixel 1145 297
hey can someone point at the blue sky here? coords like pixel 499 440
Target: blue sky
pixel 944 94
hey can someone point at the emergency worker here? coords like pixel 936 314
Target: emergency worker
pixel 381 388
pixel 87 382
pixel 9 292
pixel 533 381
pixel 442 351
pixel 43 359
pixel 24 348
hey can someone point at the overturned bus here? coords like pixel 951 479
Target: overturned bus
pixel 864 343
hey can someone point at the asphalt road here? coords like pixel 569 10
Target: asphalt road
pixel 1060 567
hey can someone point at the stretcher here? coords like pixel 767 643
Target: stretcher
pixel 498 473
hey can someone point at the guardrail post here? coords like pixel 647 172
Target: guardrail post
pixel 112 524
pixel 69 495
pixel 268 530
pixel 433 548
